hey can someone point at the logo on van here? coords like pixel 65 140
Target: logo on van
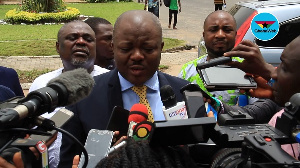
pixel 265 26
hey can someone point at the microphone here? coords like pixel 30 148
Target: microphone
pixel 171 109
pixel 138 113
pixel 66 89
pixel 193 97
pixel 214 62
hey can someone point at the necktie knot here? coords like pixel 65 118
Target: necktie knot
pixel 141 91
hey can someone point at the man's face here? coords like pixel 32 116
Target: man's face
pixel 287 76
pixel 76 46
pixel 103 41
pixel 137 48
pixel 219 34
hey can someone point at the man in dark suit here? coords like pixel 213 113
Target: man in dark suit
pixel 137 44
pixel 9 79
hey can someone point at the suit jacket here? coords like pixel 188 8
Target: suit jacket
pixel 10 79
pixel 94 111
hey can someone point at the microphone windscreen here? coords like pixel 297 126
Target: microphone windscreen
pixel 138 113
pixel 78 82
pixel 168 97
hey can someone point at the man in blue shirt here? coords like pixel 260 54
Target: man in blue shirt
pixel 137 44
pixel 153 6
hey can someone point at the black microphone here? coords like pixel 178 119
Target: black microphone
pixel 168 96
pixel 66 89
pixel 213 62
pixel 172 110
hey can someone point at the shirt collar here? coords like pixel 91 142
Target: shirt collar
pixel 152 83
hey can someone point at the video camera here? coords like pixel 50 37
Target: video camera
pixel 238 142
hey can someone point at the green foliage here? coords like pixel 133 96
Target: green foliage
pixel 37 6
pixel 172 43
pixel 163 67
pixel 15 16
pixel 29 76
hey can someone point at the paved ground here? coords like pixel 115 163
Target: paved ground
pixel 190 23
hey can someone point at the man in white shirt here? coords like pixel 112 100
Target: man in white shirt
pixel 76 45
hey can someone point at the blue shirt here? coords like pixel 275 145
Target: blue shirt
pixel 152 3
pixel 153 95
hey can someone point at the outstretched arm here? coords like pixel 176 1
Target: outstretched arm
pixel 261 110
pixel 253 62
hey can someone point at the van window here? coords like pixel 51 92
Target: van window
pixel 240 14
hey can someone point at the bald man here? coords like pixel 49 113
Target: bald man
pixel 137 45
pixel 76 46
pixel 219 37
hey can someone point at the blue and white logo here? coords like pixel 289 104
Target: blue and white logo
pixel 265 26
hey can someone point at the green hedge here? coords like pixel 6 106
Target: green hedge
pixel 15 16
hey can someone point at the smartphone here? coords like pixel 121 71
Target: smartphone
pixel 118 121
pixel 60 118
pixel 97 145
pixel 226 78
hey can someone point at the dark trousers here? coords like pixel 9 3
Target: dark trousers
pixel 154 10
pixel 175 16
pixel 218 7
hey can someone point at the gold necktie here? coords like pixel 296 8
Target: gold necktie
pixel 141 92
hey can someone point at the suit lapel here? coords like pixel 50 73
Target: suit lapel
pixel 114 90
pixel 162 79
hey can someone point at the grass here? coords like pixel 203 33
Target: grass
pixel 29 76
pixel 37 40
pixel 172 43
pixel 110 11
pixel 4 9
